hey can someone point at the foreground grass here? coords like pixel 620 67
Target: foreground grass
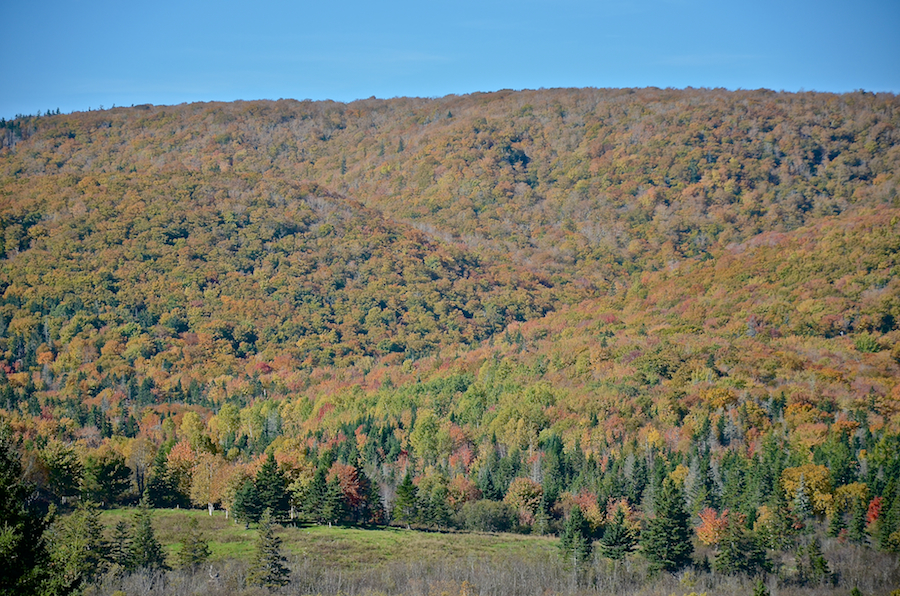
pixel 341 547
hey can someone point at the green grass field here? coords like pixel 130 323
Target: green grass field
pixel 344 547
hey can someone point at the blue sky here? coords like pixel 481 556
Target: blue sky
pixel 78 55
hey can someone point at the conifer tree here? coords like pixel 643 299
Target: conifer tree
pixel 739 550
pixel 271 489
pixel 119 549
pixel 618 540
pixel 406 507
pixel 857 528
pixel 333 505
pixel 575 541
pixel 146 551
pixel 760 589
pixel 77 550
pixel 837 523
pixel 666 541
pixel 246 506
pixel 811 564
pixel 268 568
pixel 802 504
pixel 315 497
pixel 23 545
pixel 194 548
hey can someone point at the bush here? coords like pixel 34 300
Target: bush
pixel 487 516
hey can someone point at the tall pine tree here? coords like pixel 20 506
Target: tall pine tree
pixel 666 541
pixel 268 568
pixel 146 551
pixel 575 542
pixel 618 540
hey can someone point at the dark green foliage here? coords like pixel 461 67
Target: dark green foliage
pixel 837 523
pixel 666 541
pixel 194 548
pixel 146 551
pixel 618 540
pixel 316 497
pixel 760 589
pixel 268 568
pixel 247 507
pixel 575 542
pixel 64 470
pixel 163 488
pixel 271 489
pixel 406 505
pixel 812 568
pixel 119 548
pixel 856 531
pixel 78 554
pixel 333 506
pixel 23 544
pixel 740 551
pixel 889 521
pixel 106 477
pixel 486 516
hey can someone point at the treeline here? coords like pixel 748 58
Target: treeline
pixel 498 312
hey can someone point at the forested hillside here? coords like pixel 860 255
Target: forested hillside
pixel 484 312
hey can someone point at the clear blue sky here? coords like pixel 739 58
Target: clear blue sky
pixel 74 55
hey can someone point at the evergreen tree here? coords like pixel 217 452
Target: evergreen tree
pixel 575 541
pixel 146 551
pixel 857 529
pixel 739 550
pixel 268 568
pixel 802 504
pixel 811 564
pixel 666 541
pixel 889 520
pixel 23 545
pixel 618 540
pixel 106 477
pixel 406 507
pixel 194 548
pixel 315 497
pixel 271 489
pixel 760 589
pixel 246 505
pixel 780 534
pixel 77 551
pixel 837 523
pixel 119 549
pixel 333 504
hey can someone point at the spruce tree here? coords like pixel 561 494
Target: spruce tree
pixel 837 523
pixel 146 551
pixel 315 497
pixel 271 489
pixel 77 550
pixel 246 506
pixel 760 589
pixel 575 541
pixel 857 529
pixel 23 544
pixel 666 541
pixel 194 548
pixel 406 507
pixel 811 564
pixel 739 550
pixel 268 568
pixel 618 540
pixel 119 548
pixel 333 504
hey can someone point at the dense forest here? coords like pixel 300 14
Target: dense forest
pixel 661 325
